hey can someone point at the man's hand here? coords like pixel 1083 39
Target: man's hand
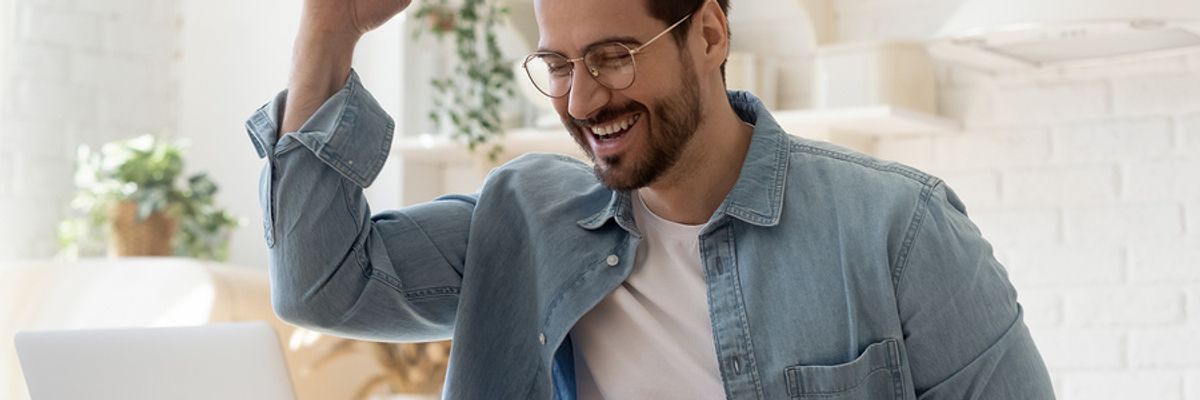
pixel 329 30
pixel 349 17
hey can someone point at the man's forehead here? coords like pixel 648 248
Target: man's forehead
pixel 571 25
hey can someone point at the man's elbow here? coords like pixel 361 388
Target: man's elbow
pixel 297 312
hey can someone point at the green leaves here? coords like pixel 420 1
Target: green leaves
pixel 146 171
pixel 472 95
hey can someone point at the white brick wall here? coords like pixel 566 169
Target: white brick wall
pixel 1113 139
pixel 1124 306
pixel 1087 182
pixel 1157 94
pixel 1193 224
pixel 75 72
pixel 1046 266
pixel 1073 348
pixel 1151 384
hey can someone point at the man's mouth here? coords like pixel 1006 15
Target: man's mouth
pixel 615 129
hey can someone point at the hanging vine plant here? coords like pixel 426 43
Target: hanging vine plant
pixel 471 96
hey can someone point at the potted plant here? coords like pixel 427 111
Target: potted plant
pixel 472 94
pixel 131 202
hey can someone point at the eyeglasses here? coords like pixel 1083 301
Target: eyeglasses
pixel 612 65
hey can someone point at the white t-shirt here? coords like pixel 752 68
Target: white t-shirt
pixel 651 337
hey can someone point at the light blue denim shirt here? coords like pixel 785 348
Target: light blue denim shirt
pixel 830 274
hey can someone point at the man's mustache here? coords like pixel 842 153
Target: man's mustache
pixel 608 114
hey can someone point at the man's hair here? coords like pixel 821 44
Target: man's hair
pixel 670 11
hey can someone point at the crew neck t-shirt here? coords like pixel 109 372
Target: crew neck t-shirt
pixel 651 337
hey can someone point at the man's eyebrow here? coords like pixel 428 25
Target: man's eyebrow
pixel 598 43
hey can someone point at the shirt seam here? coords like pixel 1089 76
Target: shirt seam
pixel 907 172
pixel 911 236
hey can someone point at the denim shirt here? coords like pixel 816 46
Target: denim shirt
pixel 830 274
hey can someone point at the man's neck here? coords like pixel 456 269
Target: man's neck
pixel 696 185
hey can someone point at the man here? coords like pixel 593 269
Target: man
pixel 704 254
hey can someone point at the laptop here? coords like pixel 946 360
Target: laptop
pixel 221 361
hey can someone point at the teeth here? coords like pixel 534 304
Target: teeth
pixel 614 127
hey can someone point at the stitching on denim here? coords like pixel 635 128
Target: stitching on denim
pixel 618 249
pixel 346 118
pixel 533 385
pixel 735 276
pixel 899 169
pixel 415 294
pixel 423 293
pixel 910 237
pixel 894 361
pixel 793 384
pixel 359 249
pixel 704 255
pixel 251 129
pixel 855 386
pixel 356 248
pixel 376 163
pixel 269 213
pixel 780 163
pixel 347 198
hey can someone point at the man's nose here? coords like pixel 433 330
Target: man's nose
pixel 587 96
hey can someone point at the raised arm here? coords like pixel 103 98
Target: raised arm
pixel 335 267
pixel 329 30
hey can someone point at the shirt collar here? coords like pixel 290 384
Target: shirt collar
pixel 756 197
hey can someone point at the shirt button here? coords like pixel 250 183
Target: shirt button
pixel 542 338
pixel 613 260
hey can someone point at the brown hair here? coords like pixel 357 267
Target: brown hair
pixel 669 11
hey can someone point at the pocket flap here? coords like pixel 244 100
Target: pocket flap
pixel 878 363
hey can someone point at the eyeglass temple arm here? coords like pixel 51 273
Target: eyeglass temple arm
pixel 660 34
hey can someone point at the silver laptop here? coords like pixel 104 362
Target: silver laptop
pixel 222 361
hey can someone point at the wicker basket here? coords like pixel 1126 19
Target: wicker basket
pixel 130 237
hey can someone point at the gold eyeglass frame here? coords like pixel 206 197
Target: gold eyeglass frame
pixel 595 74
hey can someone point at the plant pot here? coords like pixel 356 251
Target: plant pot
pixel 442 20
pixel 130 237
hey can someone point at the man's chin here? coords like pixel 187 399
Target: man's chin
pixel 615 176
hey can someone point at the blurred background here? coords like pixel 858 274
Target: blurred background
pixel 1070 128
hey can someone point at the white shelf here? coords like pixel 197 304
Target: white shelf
pixel 875 121
pixel 880 120
pixel 443 150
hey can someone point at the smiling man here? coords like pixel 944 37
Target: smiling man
pixel 704 253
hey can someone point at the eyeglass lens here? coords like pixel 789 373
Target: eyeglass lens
pixel 612 65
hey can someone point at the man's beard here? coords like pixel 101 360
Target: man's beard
pixel 676 118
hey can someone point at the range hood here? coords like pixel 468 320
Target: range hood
pixel 1013 34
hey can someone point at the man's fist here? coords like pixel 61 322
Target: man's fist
pixel 355 17
pixel 371 14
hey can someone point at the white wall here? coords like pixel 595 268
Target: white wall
pixel 1087 181
pixel 74 72
pixel 236 57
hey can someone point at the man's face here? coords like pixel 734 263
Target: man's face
pixel 636 134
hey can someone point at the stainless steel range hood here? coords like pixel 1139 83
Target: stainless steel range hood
pixel 1012 34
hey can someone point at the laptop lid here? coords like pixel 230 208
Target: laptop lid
pixel 221 361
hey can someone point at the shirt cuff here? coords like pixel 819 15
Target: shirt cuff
pixel 350 132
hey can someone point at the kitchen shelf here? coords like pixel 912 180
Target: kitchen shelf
pixel 444 150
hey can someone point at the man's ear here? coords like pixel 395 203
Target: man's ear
pixel 714 30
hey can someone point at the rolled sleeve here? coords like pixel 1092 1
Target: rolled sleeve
pixel 334 265
pixel 965 335
pixel 350 132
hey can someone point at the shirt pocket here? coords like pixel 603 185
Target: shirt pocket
pixel 875 374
